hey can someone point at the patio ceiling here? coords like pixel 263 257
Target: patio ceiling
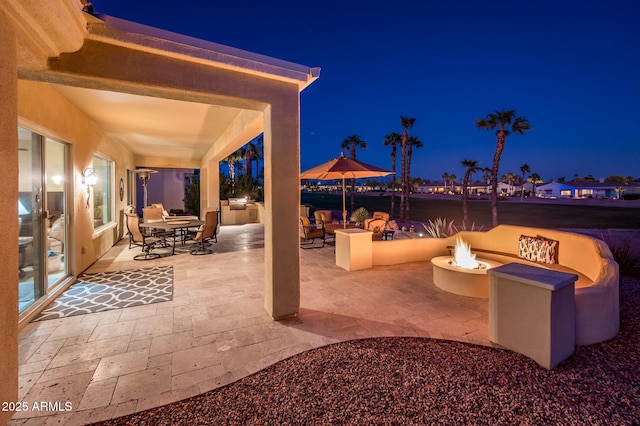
pixel 154 127
pixel 200 95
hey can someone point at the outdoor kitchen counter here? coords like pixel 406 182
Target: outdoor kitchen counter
pixel 233 215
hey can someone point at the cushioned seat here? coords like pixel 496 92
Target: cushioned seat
pixel 206 233
pixel 324 221
pixel 152 214
pixel 309 233
pixel 381 215
pixel 377 226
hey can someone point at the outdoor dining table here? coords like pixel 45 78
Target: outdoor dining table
pixel 173 225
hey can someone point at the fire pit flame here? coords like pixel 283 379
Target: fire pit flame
pixel 463 258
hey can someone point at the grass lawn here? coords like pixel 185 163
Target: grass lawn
pixel 512 212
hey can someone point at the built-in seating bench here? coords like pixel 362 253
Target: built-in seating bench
pixel 596 290
pixel 501 257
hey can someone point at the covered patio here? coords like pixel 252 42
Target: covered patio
pixel 136 96
pixel 216 331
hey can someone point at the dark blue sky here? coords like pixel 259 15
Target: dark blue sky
pixel 571 67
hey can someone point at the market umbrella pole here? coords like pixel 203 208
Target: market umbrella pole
pixel 344 204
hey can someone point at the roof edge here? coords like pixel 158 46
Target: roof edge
pixel 143 37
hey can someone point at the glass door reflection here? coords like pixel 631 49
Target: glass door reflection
pixel 56 218
pixel 30 243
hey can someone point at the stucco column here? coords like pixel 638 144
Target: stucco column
pixel 8 220
pixel 210 186
pixel 282 201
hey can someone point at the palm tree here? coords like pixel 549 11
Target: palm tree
pixel 452 181
pixel 511 180
pixel 486 176
pixel 505 122
pixel 249 151
pixel 393 139
pixel 503 178
pixel 445 179
pixel 407 123
pixel 231 161
pixel 524 169
pixel 351 143
pixel 413 142
pixel 472 167
pixel 416 182
pixel 258 154
pixel 534 179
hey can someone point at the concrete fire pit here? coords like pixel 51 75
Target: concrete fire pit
pixel 462 281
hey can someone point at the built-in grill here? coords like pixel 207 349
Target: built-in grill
pixel 237 203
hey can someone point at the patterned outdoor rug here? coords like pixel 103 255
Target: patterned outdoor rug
pixel 112 290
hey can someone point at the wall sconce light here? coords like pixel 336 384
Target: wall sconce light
pixel 89 179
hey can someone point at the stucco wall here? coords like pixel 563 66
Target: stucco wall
pixel 166 187
pixel 59 119
pixel 8 222
pixel 409 250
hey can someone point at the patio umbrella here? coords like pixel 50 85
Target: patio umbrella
pixel 343 168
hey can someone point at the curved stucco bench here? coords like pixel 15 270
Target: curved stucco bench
pixel 596 291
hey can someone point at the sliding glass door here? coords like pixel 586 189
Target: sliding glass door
pixel 31 223
pixel 42 240
pixel 56 217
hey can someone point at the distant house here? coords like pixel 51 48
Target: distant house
pixel 475 188
pixel 556 189
pixel 585 189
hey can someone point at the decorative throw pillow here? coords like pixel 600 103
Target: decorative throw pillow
pixel 537 249
pixel 555 247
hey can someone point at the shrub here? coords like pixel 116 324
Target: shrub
pixel 359 216
pixel 192 197
pixel 630 196
pixel 440 228
pixel 472 227
pixel 624 253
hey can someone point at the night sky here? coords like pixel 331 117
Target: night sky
pixel 571 67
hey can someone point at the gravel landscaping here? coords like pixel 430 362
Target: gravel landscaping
pixel 423 381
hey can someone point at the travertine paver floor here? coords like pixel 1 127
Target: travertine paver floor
pixel 216 331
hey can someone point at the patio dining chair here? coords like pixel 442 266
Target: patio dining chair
pixel 154 215
pixel 206 233
pixel 138 238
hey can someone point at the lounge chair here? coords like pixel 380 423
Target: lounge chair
pixel 377 224
pixel 309 233
pixel 324 221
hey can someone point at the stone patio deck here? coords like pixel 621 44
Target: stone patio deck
pixel 216 331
